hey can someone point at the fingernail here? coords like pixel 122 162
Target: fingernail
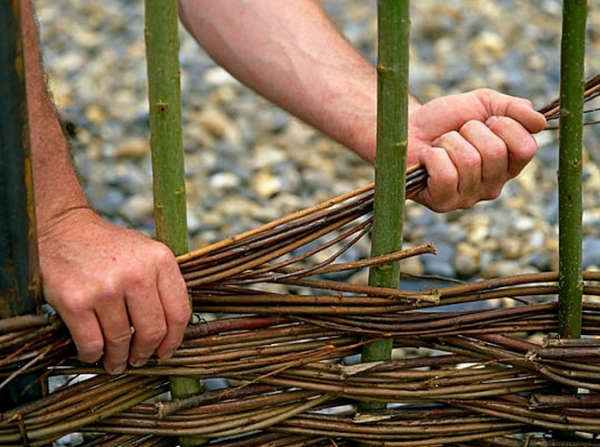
pixel 491 121
pixel 117 369
pixel 137 363
pixel 167 355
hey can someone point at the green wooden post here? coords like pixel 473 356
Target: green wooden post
pixel 570 170
pixel 162 53
pixel 19 272
pixel 572 81
pixel 390 159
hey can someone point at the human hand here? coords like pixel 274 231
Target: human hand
pixel 103 280
pixel 471 144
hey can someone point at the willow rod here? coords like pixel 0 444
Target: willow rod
pixel 166 142
pixel 393 29
pixel 570 170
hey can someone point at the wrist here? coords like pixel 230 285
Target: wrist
pixel 63 220
pixel 361 136
pixel 57 192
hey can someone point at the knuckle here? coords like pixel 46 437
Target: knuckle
pixel 485 94
pixel 443 203
pixel 138 277
pixel 181 317
pixel 106 291
pixel 493 193
pixel 496 148
pixel 446 141
pixel 504 121
pixel 118 339
pixel 453 136
pixel 471 159
pixel 470 126
pixel 443 207
pixel 153 335
pixel 525 101
pixel 469 203
pixel 528 149
pixel 495 153
pixel 163 254
pixel 180 290
pixel 445 183
pixel 78 303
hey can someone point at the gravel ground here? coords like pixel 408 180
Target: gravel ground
pixel 248 162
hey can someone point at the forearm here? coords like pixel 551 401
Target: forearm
pixel 294 57
pixel 56 186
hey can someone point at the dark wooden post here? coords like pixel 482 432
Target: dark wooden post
pixel 19 272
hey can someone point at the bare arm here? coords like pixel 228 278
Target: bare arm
pixel 57 189
pixel 100 278
pixel 292 54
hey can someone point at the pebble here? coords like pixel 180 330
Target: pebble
pixel 248 162
pixel 222 181
pixel 265 184
pixel 215 122
pixel 466 260
pixel 133 148
pixel 413 266
pixel 136 209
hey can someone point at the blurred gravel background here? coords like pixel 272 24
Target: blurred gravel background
pixel 248 162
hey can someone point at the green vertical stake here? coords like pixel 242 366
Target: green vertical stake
pixel 390 160
pixel 572 81
pixel 570 175
pixel 166 142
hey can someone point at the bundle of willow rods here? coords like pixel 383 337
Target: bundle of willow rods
pixel 479 375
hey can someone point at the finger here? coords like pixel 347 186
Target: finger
pixel 116 328
pixel 174 296
pixel 442 187
pixel 445 114
pixel 81 320
pixel 87 335
pixel 148 319
pixel 521 110
pixel 519 142
pixel 467 161
pixel 451 112
pixel 494 157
